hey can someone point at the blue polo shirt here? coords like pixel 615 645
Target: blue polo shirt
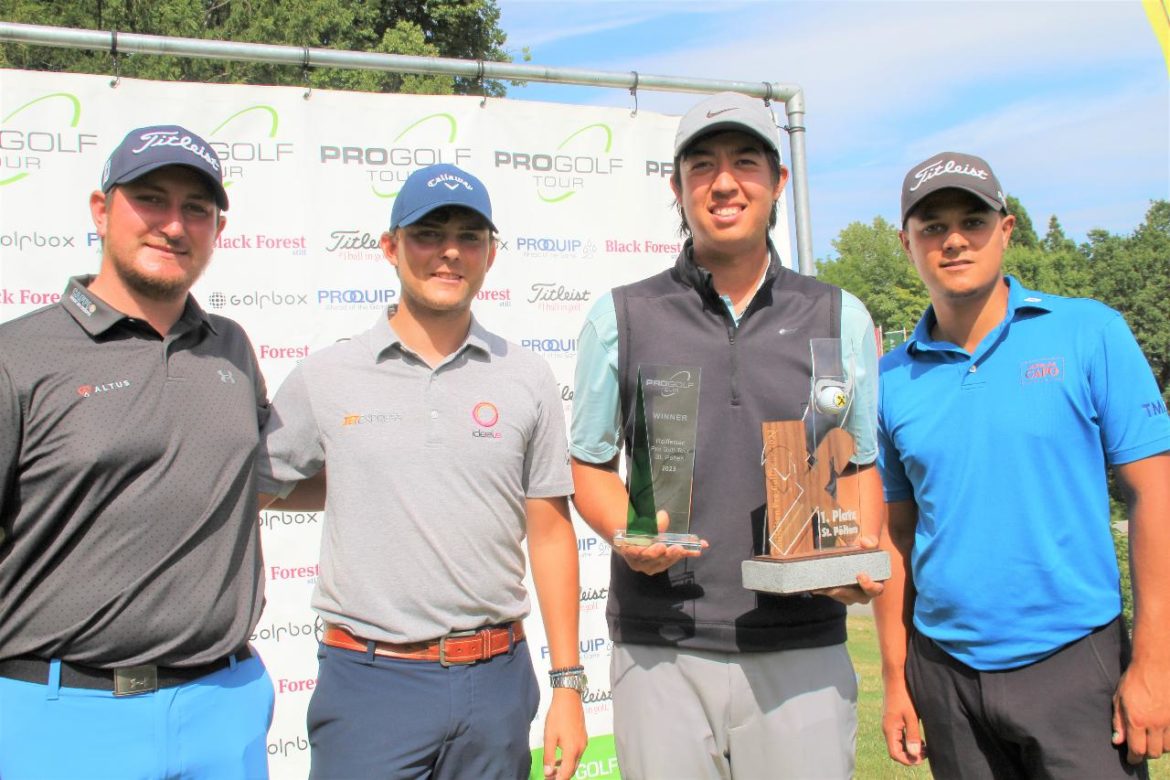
pixel 1004 451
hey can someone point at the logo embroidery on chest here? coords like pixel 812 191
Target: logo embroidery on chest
pixel 486 415
pixel 1042 370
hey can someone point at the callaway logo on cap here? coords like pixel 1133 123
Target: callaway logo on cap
pixel 150 148
pixel 435 187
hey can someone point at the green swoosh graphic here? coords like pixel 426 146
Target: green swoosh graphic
pixel 271 111
pixel 71 98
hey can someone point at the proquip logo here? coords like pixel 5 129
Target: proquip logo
pixel 486 415
pixel 559 174
pixel 429 140
pixel 39 133
pixel 247 139
pixel 550 347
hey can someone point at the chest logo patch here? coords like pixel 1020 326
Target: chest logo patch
pixel 486 415
pixel 85 391
pixel 1042 370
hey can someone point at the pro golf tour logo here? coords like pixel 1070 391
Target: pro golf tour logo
pixel 576 162
pixel 429 140
pixel 40 134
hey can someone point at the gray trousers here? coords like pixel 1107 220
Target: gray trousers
pixel 683 714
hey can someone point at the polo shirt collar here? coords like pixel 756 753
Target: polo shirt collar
pixel 700 278
pixel 1020 299
pixel 383 337
pixel 95 316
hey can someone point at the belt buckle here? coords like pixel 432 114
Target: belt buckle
pixel 134 680
pixel 443 660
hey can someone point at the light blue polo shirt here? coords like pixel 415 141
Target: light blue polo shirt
pixel 595 430
pixel 1005 453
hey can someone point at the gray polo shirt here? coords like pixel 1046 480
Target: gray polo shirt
pixel 127 491
pixel 428 475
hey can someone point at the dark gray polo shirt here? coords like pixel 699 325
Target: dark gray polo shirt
pixel 127 492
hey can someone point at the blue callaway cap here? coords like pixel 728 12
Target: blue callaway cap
pixel 150 148
pixel 437 186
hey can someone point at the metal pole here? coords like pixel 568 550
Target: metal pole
pixel 301 56
pixel 794 107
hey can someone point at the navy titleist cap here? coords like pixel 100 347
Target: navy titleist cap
pixel 150 148
pixel 952 170
pixel 437 186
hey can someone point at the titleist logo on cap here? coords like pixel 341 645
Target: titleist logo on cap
pixel 938 168
pixel 172 138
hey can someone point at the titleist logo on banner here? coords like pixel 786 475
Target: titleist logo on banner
pixel 950 166
pixel 171 138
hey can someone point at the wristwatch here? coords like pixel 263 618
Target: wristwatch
pixel 569 677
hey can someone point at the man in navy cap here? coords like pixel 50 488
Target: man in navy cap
pixel 445 447
pixel 1001 627
pixel 130 570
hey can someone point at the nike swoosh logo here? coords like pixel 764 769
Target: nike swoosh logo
pixel 711 114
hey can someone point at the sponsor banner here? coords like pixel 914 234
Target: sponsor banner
pixel 581 195
pixel 598 762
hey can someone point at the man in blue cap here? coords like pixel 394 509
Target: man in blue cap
pixel 445 447
pixel 130 567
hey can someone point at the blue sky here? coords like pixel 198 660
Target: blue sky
pixel 1069 101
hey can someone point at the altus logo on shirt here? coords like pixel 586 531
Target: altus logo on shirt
pixel 85 391
pixel 486 415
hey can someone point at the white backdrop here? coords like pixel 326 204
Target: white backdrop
pixel 580 194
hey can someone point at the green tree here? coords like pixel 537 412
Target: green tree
pixel 1023 235
pixel 1132 274
pixel 463 29
pixel 872 265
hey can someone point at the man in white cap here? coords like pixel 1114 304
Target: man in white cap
pixel 130 575
pixel 709 679
pixel 1001 626
pixel 444 446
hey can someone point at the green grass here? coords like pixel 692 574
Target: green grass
pixel 873 763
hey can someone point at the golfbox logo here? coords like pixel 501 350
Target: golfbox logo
pixel 40 134
pixel 279 632
pixel 257 299
pixel 577 161
pixel 271 519
pixel 36 240
pixel 246 140
pixel 426 141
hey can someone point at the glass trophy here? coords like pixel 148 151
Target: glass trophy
pixel 814 503
pixel 662 457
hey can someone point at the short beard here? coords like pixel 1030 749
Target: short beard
pixel 154 289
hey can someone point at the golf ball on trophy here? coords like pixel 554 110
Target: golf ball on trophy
pixel 831 400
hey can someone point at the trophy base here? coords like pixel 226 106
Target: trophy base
pixel 799 575
pixel 686 541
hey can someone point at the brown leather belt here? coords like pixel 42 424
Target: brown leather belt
pixel 461 647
